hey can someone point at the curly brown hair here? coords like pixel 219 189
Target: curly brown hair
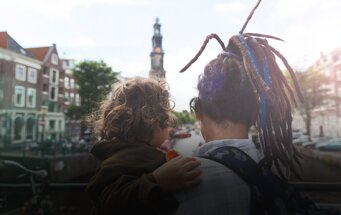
pixel 134 110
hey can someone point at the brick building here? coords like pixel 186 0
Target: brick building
pixel 51 83
pixel 70 87
pixel 31 94
pixel 71 98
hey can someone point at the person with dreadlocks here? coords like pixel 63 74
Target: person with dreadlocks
pixel 242 87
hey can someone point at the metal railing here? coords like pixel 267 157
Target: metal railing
pixel 322 187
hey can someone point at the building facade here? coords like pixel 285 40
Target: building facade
pixel 157 54
pixel 19 103
pixel 71 96
pixel 71 99
pixel 326 120
pixel 31 94
pixel 51 83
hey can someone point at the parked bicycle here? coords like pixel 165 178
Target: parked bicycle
pixel 39 196
pixel 40 202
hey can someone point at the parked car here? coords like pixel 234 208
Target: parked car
pixel 315 140
pixel 330 145
pixel 296 133
pixel 301 139
pixel 180 134
pixel 309 144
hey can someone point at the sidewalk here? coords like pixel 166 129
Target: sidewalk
pixel 330 158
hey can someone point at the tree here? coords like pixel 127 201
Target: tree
pixel 184 117
pixel 74 112
pixel 95 80
pixel 315 94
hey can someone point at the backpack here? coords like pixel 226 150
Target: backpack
pixel 269 193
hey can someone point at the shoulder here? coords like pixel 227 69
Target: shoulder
pixel 221 192
pixel 216 175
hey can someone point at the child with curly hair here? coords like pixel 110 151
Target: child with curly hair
pixel 133 176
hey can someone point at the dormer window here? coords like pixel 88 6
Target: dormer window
pixel 23 51
pixel 54 59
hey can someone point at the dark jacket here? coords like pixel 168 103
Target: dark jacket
pixel 124 184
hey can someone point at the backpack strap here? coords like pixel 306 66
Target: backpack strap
pixel 274 193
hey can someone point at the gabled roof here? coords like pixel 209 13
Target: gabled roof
pixel 7 42
pixel 39 52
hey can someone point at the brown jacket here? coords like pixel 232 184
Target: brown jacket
pixel 124 184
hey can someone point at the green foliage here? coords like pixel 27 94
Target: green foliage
pixel 184 117
pixel 315 94
pixel 74 112
pixel 95 80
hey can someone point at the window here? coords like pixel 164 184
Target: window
pixel 45 71
pixel 30 124
pixel 52 124
pixel 54 59
pixel 54 76
pixel 22 51
pixel 52 107
pixel 78 101
pixel 20 72
pixel 66 82
pixel 19 96
pixel 32 75
pixel 72 96
pixel 72 83
pixel 31 97
pixel 53 93
pixel 1 95
pixel 66 98
pixel 18 127
pixel 45 88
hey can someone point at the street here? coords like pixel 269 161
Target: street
pixel 312 170
pixel 186 146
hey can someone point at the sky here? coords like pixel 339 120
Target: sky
pixel 120 31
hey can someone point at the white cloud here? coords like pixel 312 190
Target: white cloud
pixel 296 7
pixel 183 85
pixel 82 42
pixel 304 43
pixel 62 8
pixel 128 66
pixel 228 7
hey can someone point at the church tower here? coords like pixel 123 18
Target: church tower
pixel 157 53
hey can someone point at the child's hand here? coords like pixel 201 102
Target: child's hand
pixel 178 173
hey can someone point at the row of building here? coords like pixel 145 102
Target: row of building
pixel 36 89
pixel 326 119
